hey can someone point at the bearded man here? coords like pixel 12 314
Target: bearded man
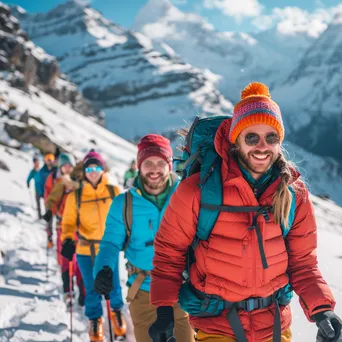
pixel 132 223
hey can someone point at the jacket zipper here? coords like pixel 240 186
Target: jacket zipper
pixel 254 261
pixel 151 228
pixel 99 214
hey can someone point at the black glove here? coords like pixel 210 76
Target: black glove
pixel 104 281
pixel 162 329
pixel 47 216
pixel 28 185
pixel 68 249
pixel 329 327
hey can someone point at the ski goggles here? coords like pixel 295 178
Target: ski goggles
pixel 252 139
pixel 90 169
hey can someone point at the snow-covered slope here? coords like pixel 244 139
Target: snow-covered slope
pixel 119 71
pixel 314 113
pixel 31 307
pixel 238 57
pixel 60 126
pixel 323 175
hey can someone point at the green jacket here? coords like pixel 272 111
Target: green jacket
pixel 130 174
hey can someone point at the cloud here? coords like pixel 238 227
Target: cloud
pixel 82 2
pixel 292 20
pixel 179 2
pixel 234 8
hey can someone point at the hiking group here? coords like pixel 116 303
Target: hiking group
pixel 214 250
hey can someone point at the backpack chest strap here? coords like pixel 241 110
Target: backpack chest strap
pixel 91 244
pixel 258 210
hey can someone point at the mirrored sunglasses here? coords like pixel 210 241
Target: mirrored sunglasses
pixel 252 139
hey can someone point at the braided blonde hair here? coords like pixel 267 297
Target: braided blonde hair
pixel 282 198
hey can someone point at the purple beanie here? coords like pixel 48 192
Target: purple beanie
pixel 93 158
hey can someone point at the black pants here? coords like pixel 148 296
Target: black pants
pixel 49 229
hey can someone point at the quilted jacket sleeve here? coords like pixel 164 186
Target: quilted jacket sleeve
pixel 305 277
pixel 113 238
pixel 175 235
pixel 39 183
pixel 30 176
pixel 69 218
pixel 55 197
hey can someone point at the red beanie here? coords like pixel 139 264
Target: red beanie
pixel 154 145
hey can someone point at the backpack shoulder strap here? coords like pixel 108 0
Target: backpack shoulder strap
pixel 211 192
pixel 128 217
pixel 78 195
pixel 111 190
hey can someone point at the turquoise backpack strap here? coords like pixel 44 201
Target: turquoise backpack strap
pixel 211 192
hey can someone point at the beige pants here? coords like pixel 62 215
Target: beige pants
pixel 144 314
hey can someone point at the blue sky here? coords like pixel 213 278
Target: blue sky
pixel 220 13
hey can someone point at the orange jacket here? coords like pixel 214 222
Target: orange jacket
pixel 229 263
pixel 95 204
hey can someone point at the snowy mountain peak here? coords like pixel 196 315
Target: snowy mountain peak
pixel 153 10
pixel 122 73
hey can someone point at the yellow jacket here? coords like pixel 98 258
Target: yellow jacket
pixel 94 207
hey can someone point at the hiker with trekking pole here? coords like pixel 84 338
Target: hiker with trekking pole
pixel 132 223
pixel 33 173
pixel 85 213
pixel 58 186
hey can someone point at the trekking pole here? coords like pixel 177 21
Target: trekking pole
pixel 47 262
pixel 109 318
pixel 70 294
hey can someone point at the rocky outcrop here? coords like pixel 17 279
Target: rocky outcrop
pixel 29 65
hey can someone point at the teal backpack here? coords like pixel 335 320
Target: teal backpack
pixel 199 155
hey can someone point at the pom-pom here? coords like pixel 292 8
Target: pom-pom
pixel 255 89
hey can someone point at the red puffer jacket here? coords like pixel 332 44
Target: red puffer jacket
pixel 229 263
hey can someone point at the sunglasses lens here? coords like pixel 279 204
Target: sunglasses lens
pixel 252 139
pixel 272 138
pixel 93 169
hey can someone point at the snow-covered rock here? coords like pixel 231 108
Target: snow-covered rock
pixel 33 66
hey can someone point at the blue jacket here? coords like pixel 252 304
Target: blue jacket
pixel 40 179
pixel 31 175
pixel 146 222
